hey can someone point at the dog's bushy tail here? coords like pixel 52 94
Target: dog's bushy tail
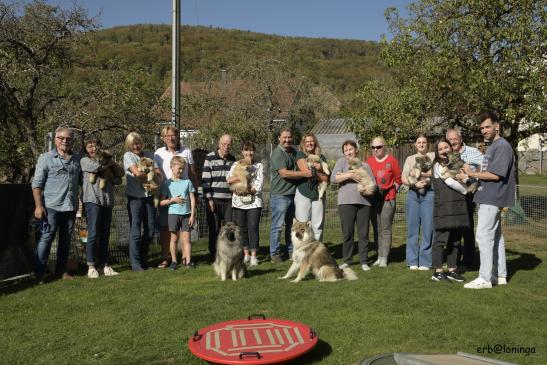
pixel 349 274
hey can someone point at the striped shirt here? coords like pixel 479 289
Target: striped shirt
pixel 472 156
pixel 213 177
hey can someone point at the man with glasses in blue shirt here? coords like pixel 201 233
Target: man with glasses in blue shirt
pixel 55 192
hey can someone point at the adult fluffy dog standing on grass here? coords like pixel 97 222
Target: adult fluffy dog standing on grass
pixel 229 254
pixel 313 256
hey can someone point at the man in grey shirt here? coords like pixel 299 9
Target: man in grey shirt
pixel 497 191
pixel 55 191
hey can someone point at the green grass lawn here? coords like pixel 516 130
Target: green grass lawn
pixel 138 318
pixel 533 180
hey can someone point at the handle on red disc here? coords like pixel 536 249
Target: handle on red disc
pixel 256 316
pixel 249 354
pixel 196 336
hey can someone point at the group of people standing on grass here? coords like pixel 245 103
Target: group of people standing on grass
pixel 439 210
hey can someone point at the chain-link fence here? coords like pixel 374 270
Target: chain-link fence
pixel 529 215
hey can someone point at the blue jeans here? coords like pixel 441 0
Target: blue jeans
pixel 142 214
pixel 98 233
pixel 64 222
pixel 282 212
pixel 419 212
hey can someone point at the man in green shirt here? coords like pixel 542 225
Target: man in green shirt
pixel 284 180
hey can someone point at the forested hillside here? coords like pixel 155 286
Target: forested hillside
pixel 339 65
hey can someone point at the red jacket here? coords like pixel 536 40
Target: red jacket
pixel 387 173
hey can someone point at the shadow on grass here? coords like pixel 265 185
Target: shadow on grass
pixel 319 353
pixel 524 261
pixel 396 254
pixel 14 286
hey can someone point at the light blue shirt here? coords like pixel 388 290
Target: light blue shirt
pixel 59 180
pixel 172 188
pixel 472 156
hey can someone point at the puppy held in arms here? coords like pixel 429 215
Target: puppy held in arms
pixel 108 170
pixel 366 186
pixel 152 183
pixel 312 161
pixel 453 167
pixel 313 256
pixel 229 258
pixel 241 170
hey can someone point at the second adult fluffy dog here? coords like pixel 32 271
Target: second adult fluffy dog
pixel 313 256
pixel 229 258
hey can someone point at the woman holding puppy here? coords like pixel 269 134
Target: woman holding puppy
pixel 419 209
pixel 353 207
pixel 247 207
pixel 308 205
pixel 140 205
pixel 98 204
pixel 449 217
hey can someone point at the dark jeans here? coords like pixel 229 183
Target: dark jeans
pixel 142 214
pixel 64 223
pixel 468 251
pixel 99 219
pixel 222 213
pixel 451 239
pixel 248 221
pixel 351 215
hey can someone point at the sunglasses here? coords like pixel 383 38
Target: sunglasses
pixel 376 147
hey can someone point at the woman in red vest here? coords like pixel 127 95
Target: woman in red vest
pixel 387 173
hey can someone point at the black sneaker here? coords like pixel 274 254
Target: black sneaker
pixel 190 265
pixel 173 266
pixel 276 259
pixel 455 276
pixel 439 276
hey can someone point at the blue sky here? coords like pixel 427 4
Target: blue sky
pixel 350 19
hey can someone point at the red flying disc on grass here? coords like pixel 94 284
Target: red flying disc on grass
pixel 255 340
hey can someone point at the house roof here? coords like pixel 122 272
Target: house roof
pixel 331 126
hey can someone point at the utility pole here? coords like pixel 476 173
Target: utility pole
pixel 175 72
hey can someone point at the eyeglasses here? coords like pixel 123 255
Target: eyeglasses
pixel 376 147
pixel 68 139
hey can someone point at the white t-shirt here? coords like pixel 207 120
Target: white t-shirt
pixel 163 157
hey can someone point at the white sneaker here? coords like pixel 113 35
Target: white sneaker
pixel 499 281
pixel 365 267
pixel 109 271
pixel 478 283
pixel 92 273
pixel 246 259
pixel 377 262
pixel 413 267
pixel 383 262
pixel 423 268
pixel 343 266
pixel 254 261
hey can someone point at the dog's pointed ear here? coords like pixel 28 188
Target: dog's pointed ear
pixel 235 223
pixel 294 221
pixel 308 223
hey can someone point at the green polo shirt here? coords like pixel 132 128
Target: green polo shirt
pixel 282 159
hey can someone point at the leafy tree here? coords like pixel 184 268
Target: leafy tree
pixel 456 59
pixel 45 82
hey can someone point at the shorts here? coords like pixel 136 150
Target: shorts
pixel 178 223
